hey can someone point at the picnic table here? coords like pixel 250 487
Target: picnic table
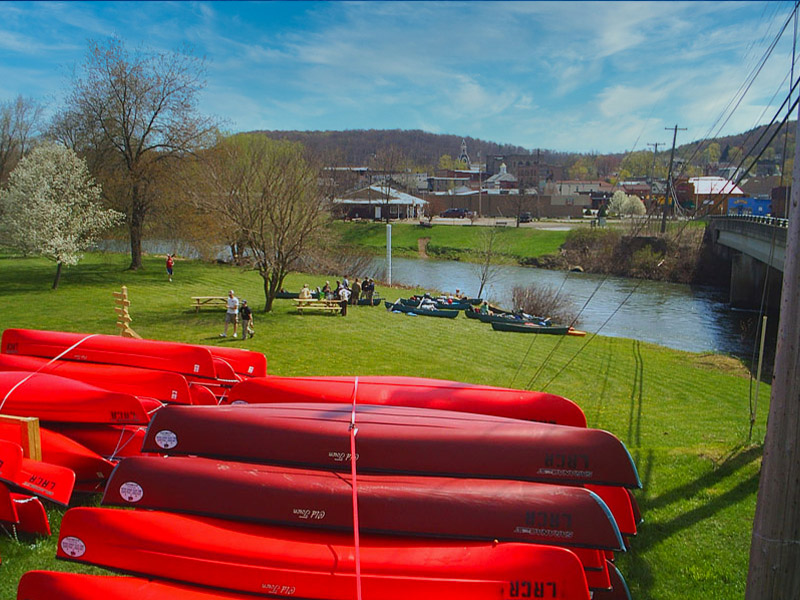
pixel 199 302
pixel 315 304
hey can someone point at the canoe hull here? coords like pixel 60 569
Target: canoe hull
pixel 398 440
pixel 397 505
pixel 271 561
pixel 415 392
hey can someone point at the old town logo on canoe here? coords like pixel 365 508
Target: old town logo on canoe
pixel 131 491
pixel 166 439
pixel 73 546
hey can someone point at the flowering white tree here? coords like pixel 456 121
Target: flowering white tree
pixel 51 207
pixel 622 204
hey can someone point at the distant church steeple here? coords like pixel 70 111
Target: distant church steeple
pixel 464 157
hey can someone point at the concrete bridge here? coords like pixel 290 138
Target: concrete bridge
pixel 756 247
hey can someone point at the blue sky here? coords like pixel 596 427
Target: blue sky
pixel 568 76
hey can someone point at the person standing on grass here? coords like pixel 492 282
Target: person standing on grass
pixel 170 263
pixel 247 320
pixel 344 298
pixel 231 314
pixel 356 292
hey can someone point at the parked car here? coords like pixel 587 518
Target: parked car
pixel 456 213
pixel 525 217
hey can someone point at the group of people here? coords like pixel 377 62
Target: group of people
pixel 235 312
pixel 343 290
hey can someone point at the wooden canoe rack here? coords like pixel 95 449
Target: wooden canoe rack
pixel 123 317
pixel 25 432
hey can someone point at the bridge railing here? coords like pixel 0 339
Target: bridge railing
pixel 773 221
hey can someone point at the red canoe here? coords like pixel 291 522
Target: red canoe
pixel 400 440
pixel 111 349
pixel 8 512
pixel 413 391
pixel 161 385
pixel 88 466
pixel 54 398
pixel 246 363
pixel 387 504
pixel 273 561
pixel 111 441
pixel 31 515
pixel 34 476
pixel 49 585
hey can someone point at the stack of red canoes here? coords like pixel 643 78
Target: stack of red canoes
pixel 258 499
pixel 93 395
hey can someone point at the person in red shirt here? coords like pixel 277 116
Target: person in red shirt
pixel 170 263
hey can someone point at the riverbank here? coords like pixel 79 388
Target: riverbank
pixel 620 248
pixel 454 240
pixel 683 416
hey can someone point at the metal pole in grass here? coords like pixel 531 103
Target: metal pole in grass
pixel 389 253
pixel 775 544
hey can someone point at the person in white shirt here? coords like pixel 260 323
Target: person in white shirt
pixel 231 314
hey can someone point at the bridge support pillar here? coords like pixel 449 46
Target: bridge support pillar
pixel 748 277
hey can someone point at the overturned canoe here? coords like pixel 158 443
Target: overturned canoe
pixel 274 561
pixel 387 504
pixel 161 385
pixel 51 585
pixel 54 398
pixel 399 440
pixel 111 441
pixel 109 349
pixel 53 482
pixel 413 391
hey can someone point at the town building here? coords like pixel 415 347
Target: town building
pixel 378 200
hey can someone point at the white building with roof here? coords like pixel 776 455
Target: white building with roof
pixel 375 201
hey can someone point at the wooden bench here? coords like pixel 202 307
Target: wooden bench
pixel 313 304
pixel 199 302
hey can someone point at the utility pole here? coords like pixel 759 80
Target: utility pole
pixel 775 545
pixel 668 196
pixel 655 146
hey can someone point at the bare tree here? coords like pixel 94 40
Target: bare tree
pixel 270 193
pixel 488 251
pixel 141 108
pixel 20 120
pixel 386 162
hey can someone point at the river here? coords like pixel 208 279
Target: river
pixel 683 317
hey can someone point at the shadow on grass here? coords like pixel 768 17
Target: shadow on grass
pixel 634 437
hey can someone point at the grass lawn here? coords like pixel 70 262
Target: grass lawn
pixel 454 242
pixel 683 416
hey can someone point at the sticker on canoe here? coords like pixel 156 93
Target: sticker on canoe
pixel 166 439
pixel 131 491
pixel 197 368
pixel 73 546
pixel 173 395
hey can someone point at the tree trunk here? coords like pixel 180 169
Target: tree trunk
pixel 269 297
pixel 58 275
pixel 135 227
